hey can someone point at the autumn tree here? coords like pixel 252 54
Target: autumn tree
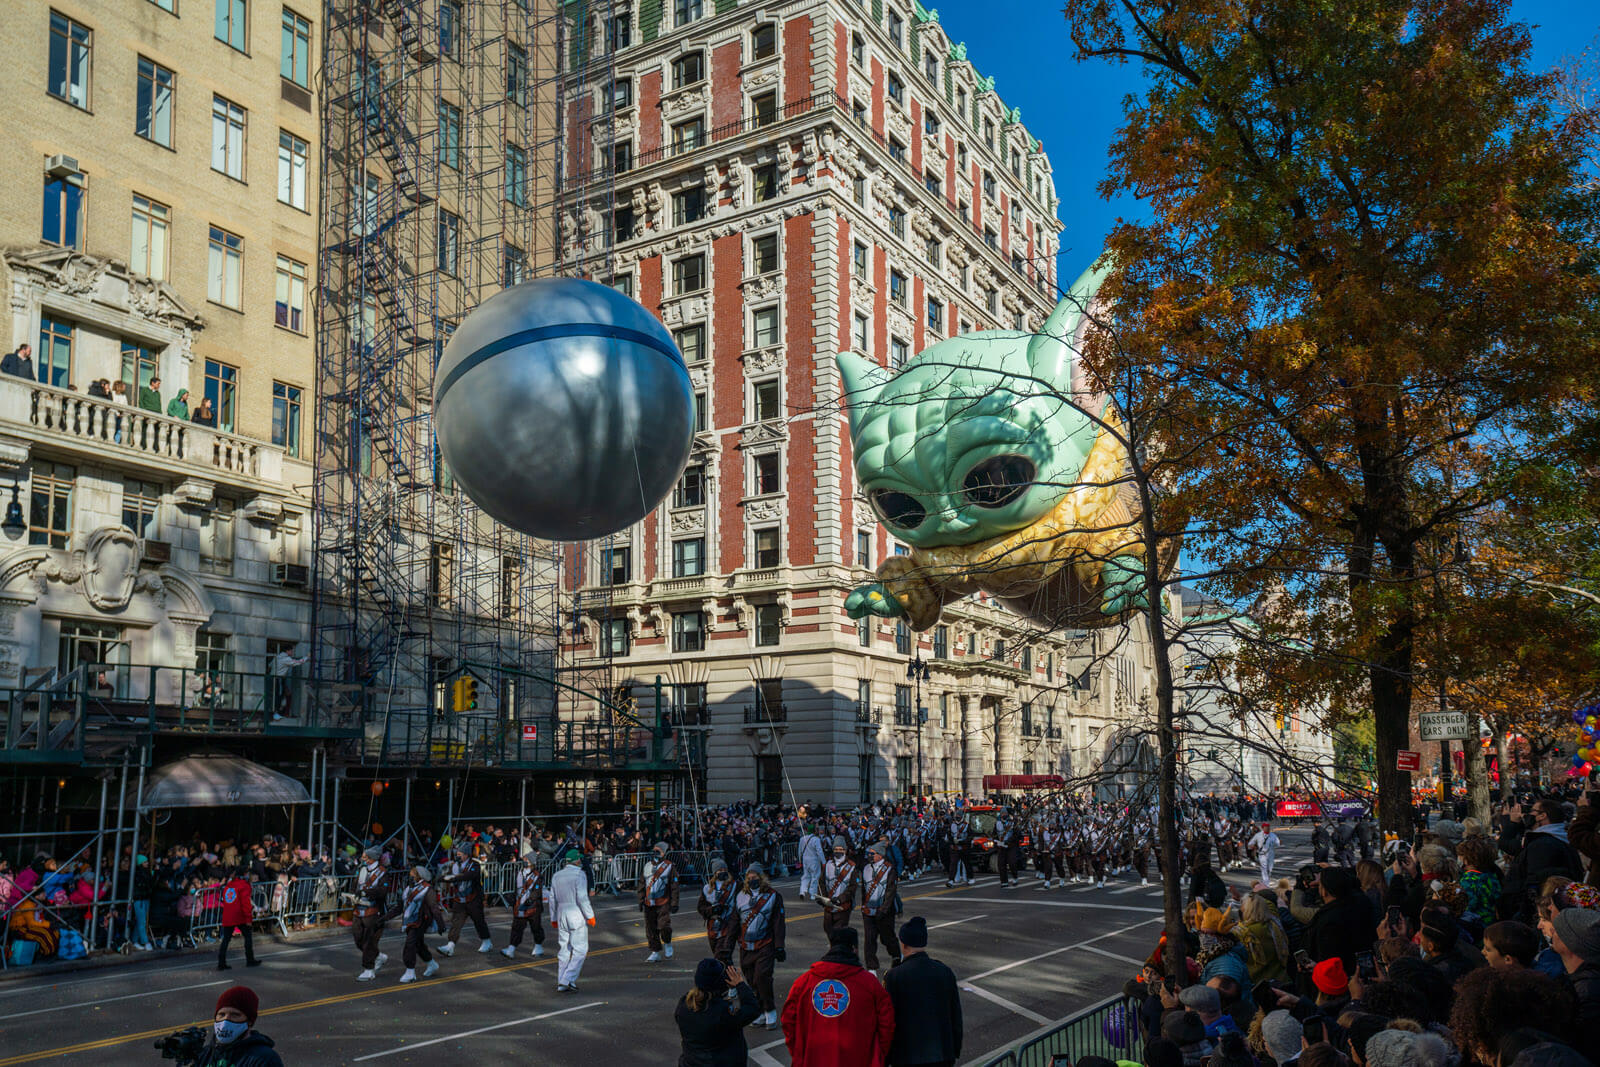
pixel 1368 273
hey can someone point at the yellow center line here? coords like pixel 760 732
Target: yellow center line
pixel 362 994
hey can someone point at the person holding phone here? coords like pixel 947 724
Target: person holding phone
pixel 712 1016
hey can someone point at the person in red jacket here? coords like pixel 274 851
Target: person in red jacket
pixel 237 913
pixel 838 1014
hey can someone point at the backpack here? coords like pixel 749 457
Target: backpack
pixel 71 945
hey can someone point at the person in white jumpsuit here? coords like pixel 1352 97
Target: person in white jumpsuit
pixel 1266 845
pixel 571 915
pixel 811 861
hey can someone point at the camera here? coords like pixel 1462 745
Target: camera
pixel 184 1046
pixel 1307 877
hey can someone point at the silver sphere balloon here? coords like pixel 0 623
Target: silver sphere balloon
pixel 564 409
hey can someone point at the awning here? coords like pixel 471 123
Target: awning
pixel 216 781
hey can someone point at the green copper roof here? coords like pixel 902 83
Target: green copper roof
pixel 923 14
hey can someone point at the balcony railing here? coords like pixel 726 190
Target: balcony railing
pixel 905 718
pixel 761 714
pixel 694 715
pixel 1053 733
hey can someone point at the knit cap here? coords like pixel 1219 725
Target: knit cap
pixel 914 932
pixel 710 976
pixel 1579 930
pixel 242 997
pixel 1282 1032
pixel 1329 977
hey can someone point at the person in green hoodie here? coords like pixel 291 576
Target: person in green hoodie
pixel 150 396
pixel 178 406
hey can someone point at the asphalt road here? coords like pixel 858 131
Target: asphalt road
pixel 1025 957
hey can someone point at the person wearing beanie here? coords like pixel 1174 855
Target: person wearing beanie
pixel 419 912
pixel 761 938
pixel 1282 1032
pixel 1184 1029
pixel 1402 1048
pixel 837 1013
pixel 238 912
pixel 372 901
pixel 812 857
pixel 527 906
pixel 466 891
pixel 572 915
pixel 234 1041
pixel 927 1003
pixel 1575 935
pixel 658 899
pixel 718 908
pixel 878 892
pixel 838 888
pixel 712 1016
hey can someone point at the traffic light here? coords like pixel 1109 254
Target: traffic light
pixel 464 693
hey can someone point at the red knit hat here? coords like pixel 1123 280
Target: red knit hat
pixel 1329 976
pixel 242 997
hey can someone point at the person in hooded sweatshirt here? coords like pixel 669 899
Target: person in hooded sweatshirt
pixel 837 1013
pixel 234 1042
pixel 712 1016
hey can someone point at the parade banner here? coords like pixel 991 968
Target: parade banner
pixel 1297 809
pixel 1342 808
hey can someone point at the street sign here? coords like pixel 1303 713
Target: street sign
pixel 1408 761
pixel 1446 726
pixel 530 732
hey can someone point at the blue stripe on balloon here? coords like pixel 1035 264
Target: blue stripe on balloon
pixel 544 333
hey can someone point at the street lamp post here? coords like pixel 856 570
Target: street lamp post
pixel 917 670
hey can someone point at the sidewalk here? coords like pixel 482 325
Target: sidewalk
pixel 107 960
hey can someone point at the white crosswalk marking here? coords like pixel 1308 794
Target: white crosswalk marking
pixel 1009 1005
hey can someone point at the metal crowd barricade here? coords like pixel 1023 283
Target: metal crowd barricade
pixel 1109 1028
pixel 290 902
pixel 625 869
pixel 205 918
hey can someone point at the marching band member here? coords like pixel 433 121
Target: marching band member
pixel 717 906
pixel 372 896
pixel 658 899
pixel 467 880
pixel 572 915
pixel 419 910
pixel 838 889
pixel 877 905
pixel 527 908
pixel 761 935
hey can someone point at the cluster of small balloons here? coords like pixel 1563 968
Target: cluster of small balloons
pixel 1588 754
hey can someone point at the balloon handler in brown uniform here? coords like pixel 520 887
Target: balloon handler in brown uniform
pixel 761 938
pixel 658 899
pixel 527 907
pixel 467 881
pixel 877 905
pixel 419 913
pixel 836 890
pixel 372 897
pixel 718 907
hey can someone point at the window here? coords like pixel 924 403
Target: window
pixel 1027 659
pixel 50 504
pixel 70 46
pixel 614 636
pixel 769 779
pixel 935 314
pixel 515 270
pixel 930 122
pixel 961 102
pixel 292 157
pixel 941 643
pixel 897 29
pixel 688 69
pixel 864 631
pixel 864 792
pixel 619 32
pixel 622 227
pixel 858 258
pixel 1016 216
pixel 224 268
pixel 858 50
pixel 700 411
pixel 622 283
pixel 764 327
pixel 510 588
pixel 768 549
pixel 147 248
pixel 1016 163
pixel 897 151
pixel 227 137
pixel 999 649
pixel 518 82
pixel 899 352
pixel 988 133
pixel 691 489
pixel 944 724
pixel 858 111
pixel 689 704
pixel 688 557
pixel 961 159
pixel 689 274
pixel 140 503
pixel 858 190
pixel 859 337
pixel 216 537
pixel 688 205
pixel 764 182
pixel 450 135
pixel 232 18
pixel 764 41
pixel 902 645
pixel 691 341
pixel 152 103
pixel 764 253
pixel 620 95
pixel 222 386
pixel 991 300
pixel 441 572
pixel 517 176
pixel 616 565
pixel 897 221
pixel 897 89
pixel 450 29
pixel 63 210
pixel 930 67
pixel 863 548
pixel 769 623
pixel 290 308
pixel 449 250
pixel 764 108
pixel 933 185
pixel 765 474
pixel 897 287
pixel 689 631
pixel 991 238
pixel 934 251
pixel 286 417
pixel 686 11
pixel 988 185
pixel 296 60
pixel 765 400
pixel 139 365
pixel 622 157
pixel 687 136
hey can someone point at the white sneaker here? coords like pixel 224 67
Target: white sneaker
pixel 366 976
pixel 447 949
pixel 508 952
pixel 433 969
pixel 1144 883
pixel 1102 884
pixel 409 976
pixel 383 957
pixel 538 950
pixel 654 957
pixel 487 946
pixel 667 952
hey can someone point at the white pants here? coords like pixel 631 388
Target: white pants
pixel 1267 858
pixel 810 875
pixel 572 931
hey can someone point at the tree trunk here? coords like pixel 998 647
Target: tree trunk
pixel 1391 720
pixel 1167 786
pixel 1477 770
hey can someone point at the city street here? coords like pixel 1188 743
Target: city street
pixel 1025 957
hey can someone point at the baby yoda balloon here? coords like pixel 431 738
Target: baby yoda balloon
pixel 979 456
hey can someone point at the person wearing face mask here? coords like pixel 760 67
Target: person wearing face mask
pixel 717 907
pixel 761 936
pixel 233 1042
pixel 838 889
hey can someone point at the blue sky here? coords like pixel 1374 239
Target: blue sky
pixel 1075 108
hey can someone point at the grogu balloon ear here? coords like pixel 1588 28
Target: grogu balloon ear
pixel 1052 351
pixel 862 379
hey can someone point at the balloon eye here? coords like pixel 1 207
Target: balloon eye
pixel 899 510
pixel 998 480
